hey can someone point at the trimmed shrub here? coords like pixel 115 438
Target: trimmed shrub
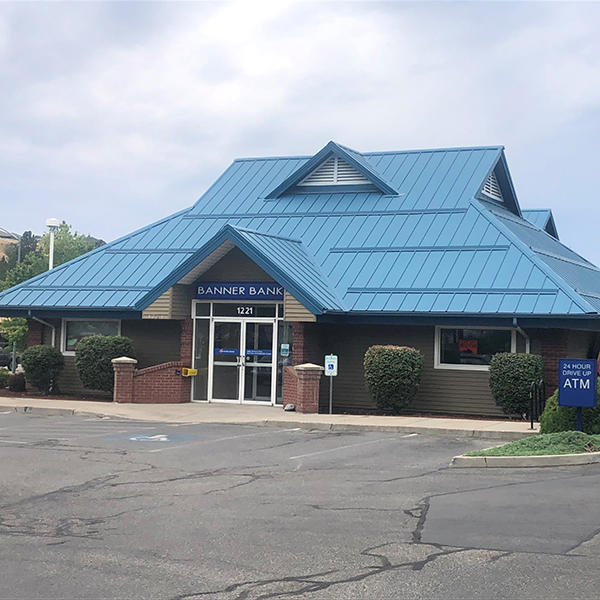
pixel 4 374
pixel 392 375
pixel 16 382
pixel 557 418
pixel 511 376
pixel 42 365
pixel 93 355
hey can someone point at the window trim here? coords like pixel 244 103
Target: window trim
pixel 63 332
pixel 437 350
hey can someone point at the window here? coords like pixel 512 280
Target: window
pixel 74 330
pixel 471 348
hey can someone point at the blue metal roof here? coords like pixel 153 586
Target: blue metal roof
pixel 542 218
pixel 427 244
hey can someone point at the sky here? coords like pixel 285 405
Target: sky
pixel 113 115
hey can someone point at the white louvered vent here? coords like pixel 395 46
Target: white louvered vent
pixel 334 171
pixel 491 188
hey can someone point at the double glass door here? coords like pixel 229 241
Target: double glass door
pixel 242 361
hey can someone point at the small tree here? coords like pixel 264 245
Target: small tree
pixel 511 376
pixel 393 374
pixel 42 366
pixel 93 357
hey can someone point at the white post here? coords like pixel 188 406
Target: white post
pixel 53 225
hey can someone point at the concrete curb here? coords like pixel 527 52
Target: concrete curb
pixel 544 460
pixel 307 425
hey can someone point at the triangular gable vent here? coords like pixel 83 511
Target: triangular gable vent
pixel 334 171
pixel 491 188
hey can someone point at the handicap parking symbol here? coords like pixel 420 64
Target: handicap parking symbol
pixel 160 437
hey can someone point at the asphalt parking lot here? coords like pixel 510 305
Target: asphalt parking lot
pixel 106 508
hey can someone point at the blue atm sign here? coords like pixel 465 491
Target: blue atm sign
pixel 577 382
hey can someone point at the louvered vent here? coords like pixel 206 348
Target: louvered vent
pixel 491 188
pixel 334 171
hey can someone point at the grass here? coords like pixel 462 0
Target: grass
pixel 565 442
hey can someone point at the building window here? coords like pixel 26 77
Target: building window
pixel 77 329
pixel 471 348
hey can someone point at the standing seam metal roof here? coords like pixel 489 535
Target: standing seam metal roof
pixel 433 247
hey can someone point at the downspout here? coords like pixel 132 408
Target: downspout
pixel 52 327
pixel 527 340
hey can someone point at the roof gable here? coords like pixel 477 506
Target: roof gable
pixel 322 169
pixel 497 187
pixel 542 218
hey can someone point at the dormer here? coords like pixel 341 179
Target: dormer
pixel 497 187
pixel 335 168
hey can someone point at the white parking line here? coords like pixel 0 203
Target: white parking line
pixel 388 439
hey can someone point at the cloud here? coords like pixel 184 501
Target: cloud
pixel 119 113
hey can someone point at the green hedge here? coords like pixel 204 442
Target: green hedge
pixel 564 418
pixel 42 366
pixel 93 357
pixel 511 376
pixel 4 375
pixel 392 375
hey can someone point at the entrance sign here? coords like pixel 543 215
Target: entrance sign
pixel 238 290
pixel 227 351
pixel 331 365
pixel 284 350
pixel 577 382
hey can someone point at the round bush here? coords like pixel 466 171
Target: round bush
pixel 42 365
pixel 392 375
pixel 93 355
pixel 557 418
pixel 511 376
pixel 4 374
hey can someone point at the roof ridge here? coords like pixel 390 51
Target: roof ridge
pixel 271 235
pixel 565 287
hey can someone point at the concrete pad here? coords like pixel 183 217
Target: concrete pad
pixel 273 416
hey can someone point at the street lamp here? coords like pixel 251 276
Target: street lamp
pixel 52 225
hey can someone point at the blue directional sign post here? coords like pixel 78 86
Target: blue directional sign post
pixel 577 384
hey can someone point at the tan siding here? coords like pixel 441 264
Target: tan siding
pixel 161 308
pixel 442 390
pixel 294 310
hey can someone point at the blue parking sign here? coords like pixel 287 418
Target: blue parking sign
pixel 577 382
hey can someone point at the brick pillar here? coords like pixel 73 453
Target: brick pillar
pixel 35 332
pixel 187 332
pixel 124 369
pixel 305 344
pixel 553 345
pixel 303 387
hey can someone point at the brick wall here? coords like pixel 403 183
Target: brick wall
pixel 161 384
pixel 552 344
pixel 187 332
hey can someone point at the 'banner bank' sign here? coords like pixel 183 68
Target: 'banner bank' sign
pixel 238 290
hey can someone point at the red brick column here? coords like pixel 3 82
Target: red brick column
pixel 186 339
pixel 35 331
pixel 124 369
pixel 553 345
pixel 302 387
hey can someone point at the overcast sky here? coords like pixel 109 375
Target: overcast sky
pixel 114 114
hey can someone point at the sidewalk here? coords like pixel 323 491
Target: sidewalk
pixel 272 416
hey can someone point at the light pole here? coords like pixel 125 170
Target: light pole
pixel 53 225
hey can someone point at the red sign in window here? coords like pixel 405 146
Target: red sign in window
pixel 467 346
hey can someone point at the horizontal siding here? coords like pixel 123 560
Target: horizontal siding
pixel 181 301
pixel 441 390
pixel 293 310
pixel 160 308
pixel 235 266
pixel 154 342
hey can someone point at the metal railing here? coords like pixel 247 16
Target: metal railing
pixel 537 400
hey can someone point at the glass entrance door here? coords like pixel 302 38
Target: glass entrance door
pixel 227 360
pixel 258 367
pixel 242 366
